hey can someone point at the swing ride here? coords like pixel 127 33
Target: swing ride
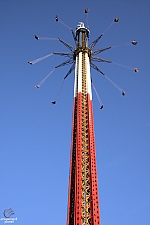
pixel 83 200
pixel 91 52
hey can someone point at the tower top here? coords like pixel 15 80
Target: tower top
pixel 81 24
pixel 82 35
pixel 81 27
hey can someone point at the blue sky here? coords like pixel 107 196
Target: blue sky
pixel 36 135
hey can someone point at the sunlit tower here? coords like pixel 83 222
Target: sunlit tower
pixel 83 200
pixel 83 203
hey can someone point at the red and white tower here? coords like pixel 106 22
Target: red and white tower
pixel 83 203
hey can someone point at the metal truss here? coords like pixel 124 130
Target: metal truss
pixel 71 69
pixel 96 68
pixel 92 45
pixel 67 45
pixel 69 61
pixel 74 36
pixel 66 54
pixel 99 50
pixel 97 59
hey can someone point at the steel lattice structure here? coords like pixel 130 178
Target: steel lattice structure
pixel 83 203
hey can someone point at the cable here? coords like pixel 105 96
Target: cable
pixel 123 44
pixel 65 24
pixel 86 16
pixel 115 85
pixel 40 59
pixel 125 66
pixel 110 25
pixel 47 38
pixel 58 20
pixel 98 97
pixel 42 81
pixel 54 102
pixel 60 89
pixel 44 38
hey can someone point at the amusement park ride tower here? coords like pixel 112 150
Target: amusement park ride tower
pixel 83 202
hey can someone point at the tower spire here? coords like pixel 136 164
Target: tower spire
pixel 83 203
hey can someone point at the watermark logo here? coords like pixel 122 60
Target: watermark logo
pixel 8 213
